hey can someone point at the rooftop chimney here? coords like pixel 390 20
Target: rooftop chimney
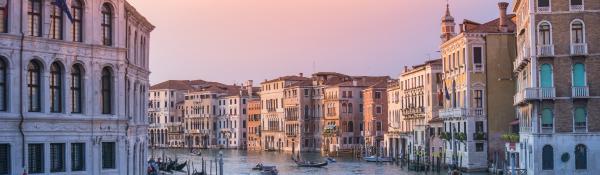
pixel 301 75
pixel 502 25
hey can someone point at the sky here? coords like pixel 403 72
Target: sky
pixel 231 41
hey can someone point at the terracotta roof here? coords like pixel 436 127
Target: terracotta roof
pixel 286 78
pixel 490 27
pixel 364 81
pixel 301 83
pixel 436 120
pixel 172 84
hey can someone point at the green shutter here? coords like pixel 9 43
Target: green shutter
pixel 546 75
pixel 580 115
pixel 578 75
pixel 547 116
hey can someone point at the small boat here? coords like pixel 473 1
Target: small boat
pixel 269 170
pixel 179 167
pixel 330 159
pixel 261 167
pixel 196 152
pixel 310 164
pixel 378 159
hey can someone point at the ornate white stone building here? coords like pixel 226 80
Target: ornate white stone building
pixel 73 92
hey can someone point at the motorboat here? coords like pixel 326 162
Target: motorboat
pixel 378 159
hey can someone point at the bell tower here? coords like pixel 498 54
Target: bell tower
pixel 448 25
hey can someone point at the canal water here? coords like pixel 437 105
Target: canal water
pixel 242 161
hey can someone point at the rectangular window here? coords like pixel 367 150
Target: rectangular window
pixel 5 159
pixel 108 155
pixel 478 147
pixel 56 21
pixel 378 110
pixel 478 98
pixel 360 108
pixel 36 158
pixel 4 19
pixel 57 157
pixel 477 55
pixel 78 157
pixel 306 92
pixel 35 17
pixel 378 95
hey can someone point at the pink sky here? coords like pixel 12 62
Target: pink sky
pixel 236 40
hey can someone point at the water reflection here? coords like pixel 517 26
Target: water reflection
pixel 241 162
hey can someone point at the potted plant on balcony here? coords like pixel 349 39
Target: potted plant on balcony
pixel 460 136
pixel 479 136
pixel 511 138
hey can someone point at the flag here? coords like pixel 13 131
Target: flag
pixel 62 4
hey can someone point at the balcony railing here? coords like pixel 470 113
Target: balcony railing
pixel 543 9
pixel 522 59
pixel 581 92
pixel 528 94
pixel 576 8
pixel 461 112
pixel 479 136
pixel 545 50
pixel 579 49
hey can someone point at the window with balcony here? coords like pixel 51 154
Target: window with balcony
pixel 545 47
pixel 547 158
pixel 546 77
pixel 543 6
pixel 578 45
pixel 477 58
pixel 576 5
pixel 580 119
pixel 547 120
pixel 4 18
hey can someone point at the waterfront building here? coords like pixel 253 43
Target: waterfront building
pixel 419 99
pixel 300 118
pixel 392 138
pixel 254 127
pixel 556 100
pixel 375 117
pixel 477 85
pixel 343 119
pixel 163 98
pixel 273 111
pixel 73 93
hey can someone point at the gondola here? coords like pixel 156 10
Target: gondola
pixel 180 167
pixel 330 159
pixel 310 164
pixel 261 167
pixel 196 152
pixel 269 170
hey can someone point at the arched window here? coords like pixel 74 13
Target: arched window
pixel 77 27
pixel 577 35
pixel 579 75
pixel 546 76
pixel 544 35
pixel 3 85
pixel 56 87
pixel 547 119
pixel 350 108
pixel 344 108
pixel 547 158
pixel 350 127
pixel 106 91
pixel 107 22
pixel 34 70
pixel 580 119
pixel 306 111
pixel 4 18
pixel 56 21
pixel 34 14
pixel 76 88
pixel 580 157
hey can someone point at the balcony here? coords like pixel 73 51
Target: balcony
pixel 546 50
pixel 522 59
pixel 452 112
pixel 413 111
pixel 576 8
pixel 543 9
pixel 579 49
pixel 547 93
pixel 529 94
pixel 580 92
pixel 479 136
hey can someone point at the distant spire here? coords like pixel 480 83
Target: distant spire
pixel 448 24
